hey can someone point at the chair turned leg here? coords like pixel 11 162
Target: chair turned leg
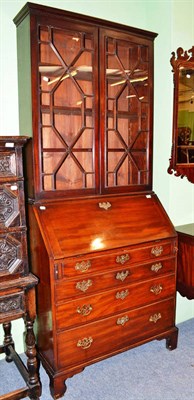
pixel 32 362
pixel 8 340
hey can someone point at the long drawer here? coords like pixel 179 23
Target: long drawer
pixel 82 344
pixel 70 267
pixel 88 308
pixel 65 289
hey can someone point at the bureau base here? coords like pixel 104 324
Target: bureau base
pixel 95 304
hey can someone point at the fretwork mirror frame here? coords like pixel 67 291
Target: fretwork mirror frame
pixel 182 154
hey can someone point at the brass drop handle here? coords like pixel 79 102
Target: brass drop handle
pixel 84 285
pixel 156 267
pixel 122 321
pixel 121 276
pixel 157 251
pixel 156 289
pixel 85 343
pixel 175 249
pixel 154 318
pixel 122 259
pixel 83 266
pixel 85 310
pixel 121 295
pixel 105 205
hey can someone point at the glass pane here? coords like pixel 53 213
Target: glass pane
pixel 51 162
pixel 69 175
pixel 50 139
pixel 68 126
pixel 66 61
pixel 185 117
pixel 127 122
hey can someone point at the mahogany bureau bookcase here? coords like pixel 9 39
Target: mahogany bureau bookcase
pixel 101 243
pixel 17 285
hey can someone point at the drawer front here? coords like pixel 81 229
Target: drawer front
pixel 123 258
pixel 89 308
pixel 13 253
pixel 12 306
pixel 12 211
pixel 117 332
pixel 65 289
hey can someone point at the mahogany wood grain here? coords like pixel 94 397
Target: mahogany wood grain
pixel 136 328
pixel 138 266
pixel 126 210
pixel 114 278
pixel 136 295
pixel 185 261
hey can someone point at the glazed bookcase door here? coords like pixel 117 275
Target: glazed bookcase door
pixel 68 76
pixel 126 128
pixel 91 107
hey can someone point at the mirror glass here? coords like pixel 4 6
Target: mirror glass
pixel 185 151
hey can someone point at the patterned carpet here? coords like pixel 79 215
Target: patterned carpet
pixel 149 372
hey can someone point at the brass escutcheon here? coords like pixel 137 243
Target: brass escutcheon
pixel 122 295
pixel 122 321
pixel 84 310
pixel 121 276
pixel 157 251
pixel 156 267
pixel 156 289
pixel 154 318
pixel 122 259
pixel 83 266
pixel 85 343
pixel 84 285
pixel 105 205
